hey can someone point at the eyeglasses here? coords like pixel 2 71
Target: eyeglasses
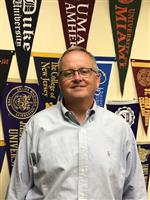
pixel 84 72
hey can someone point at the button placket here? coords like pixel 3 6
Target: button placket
pixel 83 165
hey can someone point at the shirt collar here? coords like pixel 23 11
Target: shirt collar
pixel 66 113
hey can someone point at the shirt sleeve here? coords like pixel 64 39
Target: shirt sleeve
pixel 134 187
pixel 21 178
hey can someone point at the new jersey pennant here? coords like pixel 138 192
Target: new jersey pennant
pixel 2 153
pixel 19 103
pixel 23 17
pixel 144 153
pixel 104 65
pixel 5 62
pixel 129 110
pixel 76 19
pixel 47 71
pixel 124 16
pixel 141 72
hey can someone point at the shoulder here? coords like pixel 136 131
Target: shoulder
pixel 45 116
pixel 107 115
pixel 112 123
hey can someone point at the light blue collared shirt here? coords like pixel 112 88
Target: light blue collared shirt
pixel 59 159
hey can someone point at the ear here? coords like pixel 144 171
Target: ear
pixel 97 80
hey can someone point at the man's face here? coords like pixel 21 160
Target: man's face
pixel 78 87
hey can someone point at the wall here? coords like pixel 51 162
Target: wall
pixel 49 38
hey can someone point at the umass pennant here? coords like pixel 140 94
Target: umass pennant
pixel 76 19
pixel 18 105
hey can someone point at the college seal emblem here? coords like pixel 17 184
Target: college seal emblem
pixel 127 114
pixel 143 77
pixel 22 102
pixel 103 77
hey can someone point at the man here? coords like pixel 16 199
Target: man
pixel 76 150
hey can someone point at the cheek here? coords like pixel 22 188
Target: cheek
pixel 63 85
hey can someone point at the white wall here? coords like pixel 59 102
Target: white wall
pixel 49 38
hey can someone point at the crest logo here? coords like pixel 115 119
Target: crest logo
pixel 143 77
pixel 127 114
pixel 22 102
pixel 29 6
pixel 103 77
pixel 144 154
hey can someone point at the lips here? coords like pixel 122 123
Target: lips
pixel 77 86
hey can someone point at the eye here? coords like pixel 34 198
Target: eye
pixel 84 71
pixel 67 73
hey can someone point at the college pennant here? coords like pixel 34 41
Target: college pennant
pixel 144 153
pixel 141 72
pixel 104 65
pixel 129 110
pixel 76 19
pixel 2 153
pixel 124 16
pixel 19 103
pixel 46 65
pixel 23 17
pixel 5 62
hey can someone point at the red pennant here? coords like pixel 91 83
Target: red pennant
pixel 76 19
pixel 141 71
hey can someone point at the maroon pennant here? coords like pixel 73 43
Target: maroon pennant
pixel 141 72
pixel 76 19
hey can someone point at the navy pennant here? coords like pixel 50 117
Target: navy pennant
pixel 23 17
pixel 129 110
pixel 144 153
pixel 47 71
pixel 104 65
pixel 19 103
pixel 2 153
pixel 5 62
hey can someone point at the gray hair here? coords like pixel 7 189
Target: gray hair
pixel 77 48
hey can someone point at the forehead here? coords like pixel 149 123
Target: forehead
pixel 76 56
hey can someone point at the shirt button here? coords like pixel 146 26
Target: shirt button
pixel 82 195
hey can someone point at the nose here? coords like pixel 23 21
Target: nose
pixel 77 75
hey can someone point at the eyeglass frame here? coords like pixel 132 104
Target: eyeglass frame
pixel 78 70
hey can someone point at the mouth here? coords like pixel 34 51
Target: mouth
pixel 78 86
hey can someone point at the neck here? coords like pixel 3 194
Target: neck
pixel 79 108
